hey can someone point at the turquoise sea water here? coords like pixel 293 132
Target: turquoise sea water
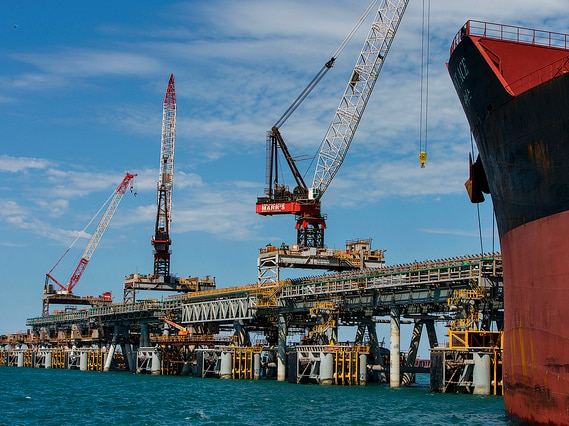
pixel 68 397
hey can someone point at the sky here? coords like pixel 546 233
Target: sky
pixel 81 92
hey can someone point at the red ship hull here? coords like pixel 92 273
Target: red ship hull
pixel 535 258
pixel 513 84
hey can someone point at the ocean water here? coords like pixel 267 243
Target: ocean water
pixel 68 397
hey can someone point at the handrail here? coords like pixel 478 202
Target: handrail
pixel 541 75
pixel 404 275
pixel 511 33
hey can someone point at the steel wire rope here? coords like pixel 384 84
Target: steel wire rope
pixel 80 234
pixel 318 77
pixel 425 58
pixel 322 72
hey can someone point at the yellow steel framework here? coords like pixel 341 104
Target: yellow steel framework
pixel 347 364
pixel 491 342
pixel 243 362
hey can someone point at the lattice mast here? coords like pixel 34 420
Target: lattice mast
pixel 352 106
pixel 95 238
pixel 161 239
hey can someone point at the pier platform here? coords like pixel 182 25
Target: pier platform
pixel 192 333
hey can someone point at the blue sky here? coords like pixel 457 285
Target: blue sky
pixel 81 91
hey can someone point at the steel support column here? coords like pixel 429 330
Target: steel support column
pixel 111 353
pixel 281 355
pixel 144 336
pixel 375 356
pixel 431 333
pixel 413 350
pixel 394 361
pixel 241 333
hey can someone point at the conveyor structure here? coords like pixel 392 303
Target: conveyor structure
pixel 313 307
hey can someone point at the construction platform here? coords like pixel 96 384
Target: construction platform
pixel 137 282
pixel 356 256
pixel 212 332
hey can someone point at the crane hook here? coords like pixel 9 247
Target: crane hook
pixel 423 158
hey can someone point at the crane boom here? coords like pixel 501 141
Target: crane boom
pixel 358 90
pixel 302 201
pixel 325 68
pixel 161 239
pixel 96 237
pixel 168 139
pixel 182 331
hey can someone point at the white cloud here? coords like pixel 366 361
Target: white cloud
pixel 239 70
pixel 19 217
pixel 21 164
pixel 54 208
pixel 54 69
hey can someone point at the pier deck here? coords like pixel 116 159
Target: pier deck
pixel 450 290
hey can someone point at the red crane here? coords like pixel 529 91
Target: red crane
pixel 67 288
pixel 161 279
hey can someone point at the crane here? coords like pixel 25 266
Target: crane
pixel 303 201
pixel 161 279
pixel 161 239
pixel 67 289
pixel 182 331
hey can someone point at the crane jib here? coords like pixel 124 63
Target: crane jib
pixel 302 201
pixel 335 144
pixel 96 237
pixel 161 239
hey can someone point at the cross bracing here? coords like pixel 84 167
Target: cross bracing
pixel 422 287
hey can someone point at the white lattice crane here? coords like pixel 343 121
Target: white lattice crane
pixel 304 202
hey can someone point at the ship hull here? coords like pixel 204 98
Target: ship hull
pixel 522 134
pixel 536 342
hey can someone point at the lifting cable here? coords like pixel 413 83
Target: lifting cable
pixel 325 68
pixel 425 53
pixel 82 233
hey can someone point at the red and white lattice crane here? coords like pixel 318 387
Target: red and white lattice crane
pixel 161 239
pixel 67 288
pixel 162 279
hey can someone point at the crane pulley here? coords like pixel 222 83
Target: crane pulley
pixel 115 200
pixel 302 201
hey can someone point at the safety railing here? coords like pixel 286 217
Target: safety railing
pixel 511 33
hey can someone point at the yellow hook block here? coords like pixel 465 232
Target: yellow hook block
pixel 423 158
